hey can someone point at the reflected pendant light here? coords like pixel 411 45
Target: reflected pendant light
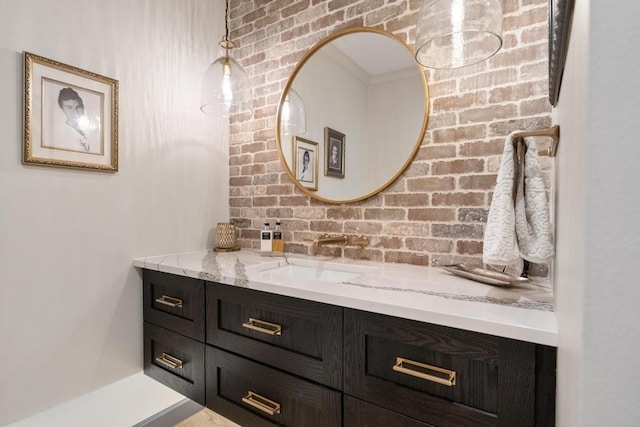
pixel 457 33
pixel 226 88
pixel 294 118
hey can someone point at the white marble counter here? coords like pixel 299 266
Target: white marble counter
pixel 426 294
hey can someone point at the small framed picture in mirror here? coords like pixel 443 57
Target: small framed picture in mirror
pixel 305 162
pixel 334 143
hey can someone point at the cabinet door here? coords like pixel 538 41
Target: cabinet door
pixel 255 395
pixel 358 413
pixel 175 360
pixel 441 376
pixel 297 336
pixel 174 302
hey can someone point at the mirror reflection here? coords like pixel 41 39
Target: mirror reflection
pixel 354 109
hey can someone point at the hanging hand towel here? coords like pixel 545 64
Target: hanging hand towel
pixel 500 242
pixel 532 223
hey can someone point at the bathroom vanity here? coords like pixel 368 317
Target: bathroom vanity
pixel 329 342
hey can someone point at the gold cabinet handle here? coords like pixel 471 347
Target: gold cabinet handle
pixel 169 361
pixel 170 301
pixel 448 380
pixel 262 326
pixel 262 403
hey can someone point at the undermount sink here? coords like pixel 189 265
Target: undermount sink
pixel 333 272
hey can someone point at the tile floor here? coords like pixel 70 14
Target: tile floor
pixel 207 418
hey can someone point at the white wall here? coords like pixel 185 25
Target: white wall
pixel 571 112
pixel 397 89
pixel 598 217
pixel 612 292
pixel 70 302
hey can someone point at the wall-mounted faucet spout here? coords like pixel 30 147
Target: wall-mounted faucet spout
pixel 362 241
pixel 325 239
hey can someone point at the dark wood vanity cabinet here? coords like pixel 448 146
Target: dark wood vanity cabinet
pixel 175 360
pixel 301 337
pixel 443 376
pixel 359 413
pixel 272 359
pixel 174 312
pixel 276 360
pixel 253 394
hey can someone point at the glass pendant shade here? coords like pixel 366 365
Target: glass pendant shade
pixel 457 33
pixel 226 89
pixel 294 118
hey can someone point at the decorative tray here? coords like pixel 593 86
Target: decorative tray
pixel 489 277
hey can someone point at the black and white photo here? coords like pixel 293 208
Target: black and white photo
pixel 70 116
pixel 334 143
pixel 305 157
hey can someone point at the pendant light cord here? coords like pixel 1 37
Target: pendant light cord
pixel 226 21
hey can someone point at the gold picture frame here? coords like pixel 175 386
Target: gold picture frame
pixel 305 162
pixel 70 116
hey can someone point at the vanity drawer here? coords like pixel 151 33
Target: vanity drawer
pixel 254 395
pixel 175 360
pixel 439 375
pixel 174 302
pixel 297 336
pixel 358 413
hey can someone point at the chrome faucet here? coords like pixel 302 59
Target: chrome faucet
pixel 325 239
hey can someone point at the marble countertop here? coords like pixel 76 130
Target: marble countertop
pixel 427 294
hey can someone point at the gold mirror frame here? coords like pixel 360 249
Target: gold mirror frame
pixel 290 81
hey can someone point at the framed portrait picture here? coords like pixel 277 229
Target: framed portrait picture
pixel 334 153
pixel 560 14
pixel 70 116
pixel 305 162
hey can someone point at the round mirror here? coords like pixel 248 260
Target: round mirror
pixel 352 115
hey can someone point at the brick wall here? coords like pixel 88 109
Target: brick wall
pixel 435 212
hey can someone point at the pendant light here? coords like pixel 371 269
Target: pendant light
pixel 226 88
pixel 457 33
pixel 294 118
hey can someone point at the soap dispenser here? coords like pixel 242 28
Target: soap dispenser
pixel 277 247
pixel 266 239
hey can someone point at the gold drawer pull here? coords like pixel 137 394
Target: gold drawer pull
pixel 450 381
pixel 262 403
pixel 262 326
pixel 170 301
pixel 169 361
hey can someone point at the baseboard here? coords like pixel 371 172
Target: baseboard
pixel 171 416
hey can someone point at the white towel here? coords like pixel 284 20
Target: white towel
pixel 533 225
pixel 520 229
pixel 500 242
